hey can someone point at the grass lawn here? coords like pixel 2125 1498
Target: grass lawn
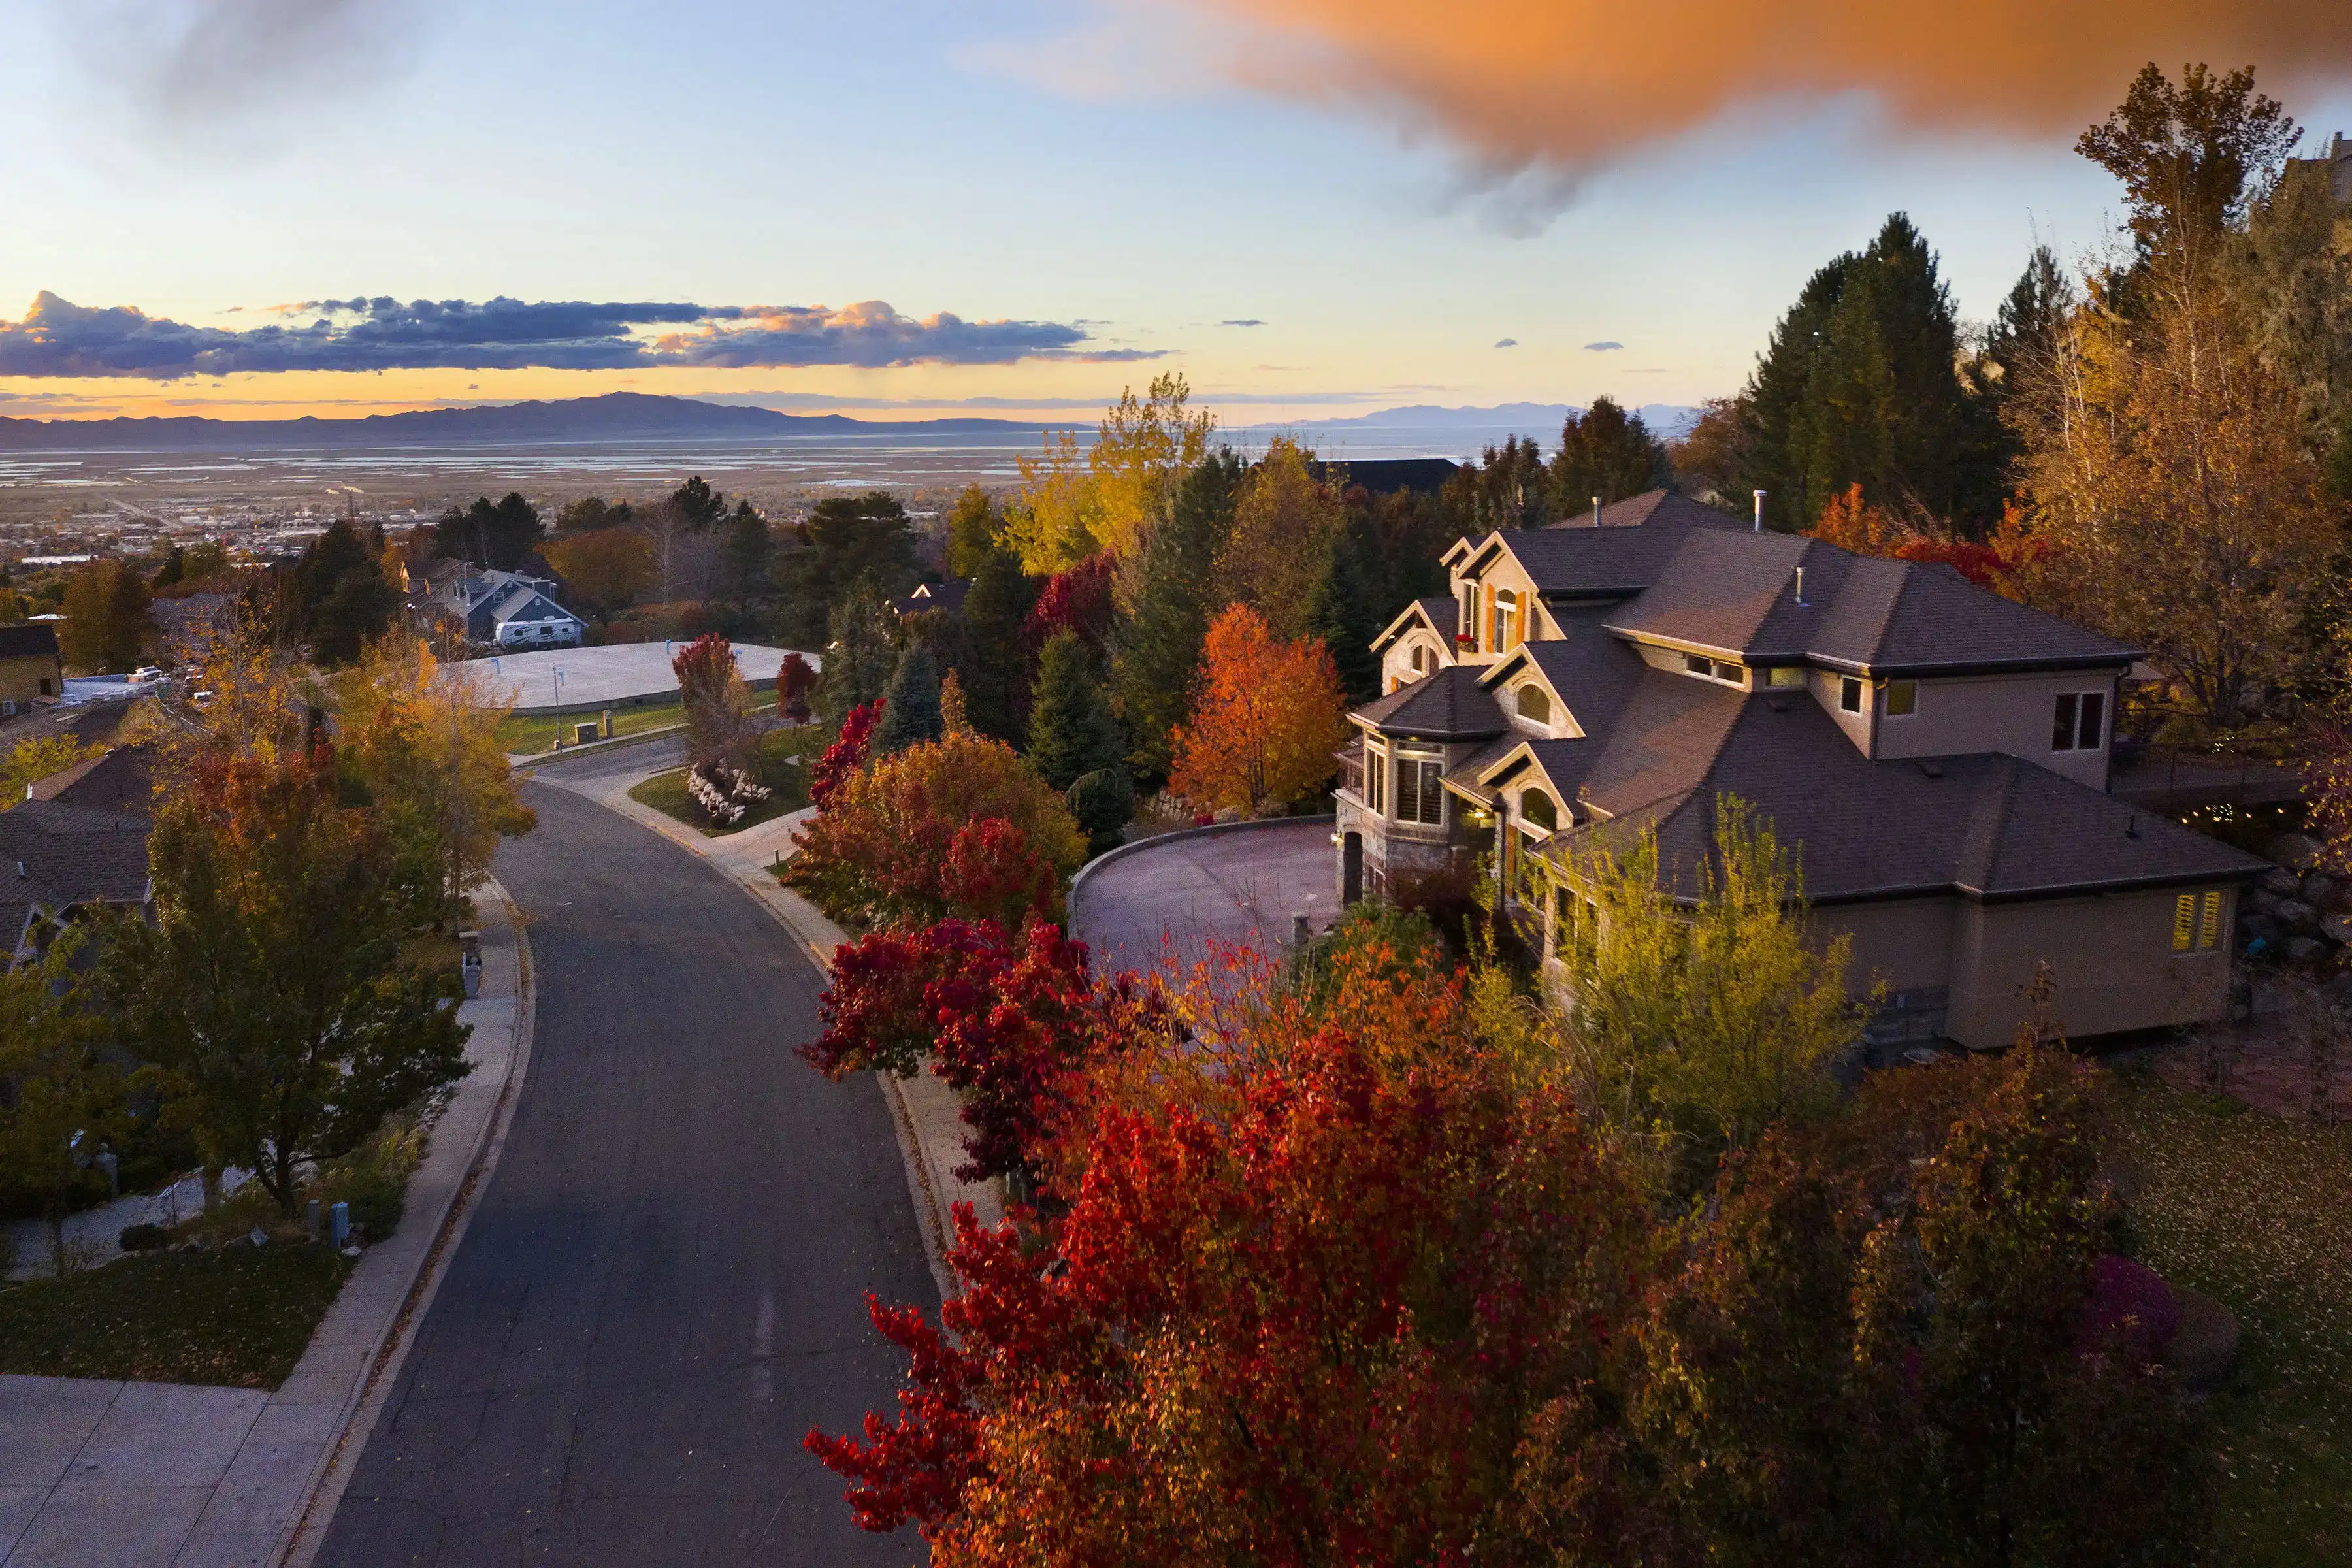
pixel 2251 1210
pixel 770 765
pixel 529 736
pixel 240 1317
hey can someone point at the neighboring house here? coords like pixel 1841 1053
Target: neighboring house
pixel 1937 755
pixel 121 781
pixel 31 665
pixel 506 609
pixel 945 597
pixel 56 859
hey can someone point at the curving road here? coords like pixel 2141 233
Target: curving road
pixel 664 1284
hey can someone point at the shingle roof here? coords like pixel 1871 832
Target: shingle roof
pixel 946 596
pixel 121 781
pixel 1447 705
pixel 1987 824
pixel 32 639
pixel 70 854
pixel 1439 612
pixel 1738 593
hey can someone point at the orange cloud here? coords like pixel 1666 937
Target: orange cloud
pixel 1569 83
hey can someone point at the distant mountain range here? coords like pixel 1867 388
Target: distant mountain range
pixel 630 417
pixel 1668 421
pixel 614 416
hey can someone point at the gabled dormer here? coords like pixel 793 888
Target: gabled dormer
pixel 1417 644
pixel 1532 704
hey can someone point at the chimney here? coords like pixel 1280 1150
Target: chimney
pixel 1596 512
pixel 1800 584
pixel 1759 512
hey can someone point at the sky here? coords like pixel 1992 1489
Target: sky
pixel 900 209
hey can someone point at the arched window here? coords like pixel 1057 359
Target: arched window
pixel 1537 810
pixel 1507 620
pixel 1419 659
pixel 1535 704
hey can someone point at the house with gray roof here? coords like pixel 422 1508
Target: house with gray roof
pixel 507 609
pixel 1938 756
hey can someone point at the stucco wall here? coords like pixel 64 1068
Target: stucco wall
pixel 2110 956
pixel 2011 714
pixel 1907 942
pixel 1396 660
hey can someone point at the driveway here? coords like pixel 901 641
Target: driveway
pixel 663 1286
pixel 1168 900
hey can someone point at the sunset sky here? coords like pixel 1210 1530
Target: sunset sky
pixel 900 208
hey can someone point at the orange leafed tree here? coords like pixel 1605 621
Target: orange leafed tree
pixel 1267 720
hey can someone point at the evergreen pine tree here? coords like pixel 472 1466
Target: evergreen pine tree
pixel 1341 612
pixel 973 530
pixel 996 666
pixel 1604 452
pixel 1861 386
pixel 747 549
pixel 1074 739
pixel 910 711
pixel 859 655
pixel 1157 645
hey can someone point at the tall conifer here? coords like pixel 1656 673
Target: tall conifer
pixel 1158 645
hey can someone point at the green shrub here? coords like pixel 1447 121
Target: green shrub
pixel 373 1178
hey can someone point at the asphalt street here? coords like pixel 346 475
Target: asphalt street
pixel 664 1285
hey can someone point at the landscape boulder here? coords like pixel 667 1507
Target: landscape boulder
pixel 2294 914
pixel 2337 928
pixel 2278 883
pixel 2320 889
pixel 2304 949
pixel 2295 851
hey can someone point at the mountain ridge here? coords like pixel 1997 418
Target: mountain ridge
pixel 621 416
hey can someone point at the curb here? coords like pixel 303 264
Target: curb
pixel 297 1544
pixel 518 760
pixel 1212 830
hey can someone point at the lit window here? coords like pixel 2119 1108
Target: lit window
pixel 2208 930
pixel 1850 694
pixel 1902 699
pixel 1533 705
pixel 1787 676
pixel 2184 923
pixel 2078 721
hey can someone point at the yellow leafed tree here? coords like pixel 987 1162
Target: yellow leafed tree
pixel 1074 505
pixel 426 747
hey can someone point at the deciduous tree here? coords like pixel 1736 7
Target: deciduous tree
pixel 846 754
pixel 106 624
pixel 63 1101
pixel 604 570
pixel 424 743
pixel 269 986
pixel 1268 719
pixel 718 702
pixel 879 850
pixel 1284 522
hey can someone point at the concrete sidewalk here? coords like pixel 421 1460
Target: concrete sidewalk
pixel 928 1113
pixel 145 1475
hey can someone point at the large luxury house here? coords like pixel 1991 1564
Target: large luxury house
pixel 1938 756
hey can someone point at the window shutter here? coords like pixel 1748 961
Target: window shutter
pixel 2184 921
pixel 2208 930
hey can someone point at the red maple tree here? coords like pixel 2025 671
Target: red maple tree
pixel 842 759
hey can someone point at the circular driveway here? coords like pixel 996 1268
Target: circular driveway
pixel 1167 900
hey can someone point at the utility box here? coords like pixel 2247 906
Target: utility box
pixel 583 733
pixel 608 723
